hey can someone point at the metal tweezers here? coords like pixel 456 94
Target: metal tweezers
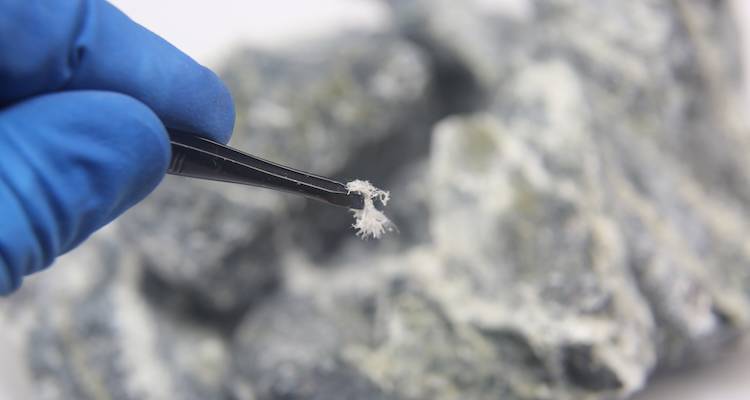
pixel 196 157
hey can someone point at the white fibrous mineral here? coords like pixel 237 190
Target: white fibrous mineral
pixel 369 221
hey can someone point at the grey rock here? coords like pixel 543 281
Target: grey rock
pixel 572 253
pixel 194 263
pixel 571 184
pixel 94 336
pixel 650 107
pixel 461 47
pixel 289 349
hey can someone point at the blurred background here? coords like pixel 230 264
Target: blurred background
pixel 570 180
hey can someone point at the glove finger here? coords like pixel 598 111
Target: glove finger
pixel 69 164
pixel 52 45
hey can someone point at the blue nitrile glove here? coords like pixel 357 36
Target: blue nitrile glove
pixel 85 95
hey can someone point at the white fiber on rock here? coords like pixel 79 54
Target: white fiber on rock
pixel 369 221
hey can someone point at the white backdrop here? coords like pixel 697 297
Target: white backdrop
pixel 207 29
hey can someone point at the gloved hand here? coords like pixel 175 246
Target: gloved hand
pixel 85 96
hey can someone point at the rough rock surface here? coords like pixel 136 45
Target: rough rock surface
pixel 571 183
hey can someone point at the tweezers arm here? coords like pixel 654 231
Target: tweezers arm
pixel 196 157
pixel 199 159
